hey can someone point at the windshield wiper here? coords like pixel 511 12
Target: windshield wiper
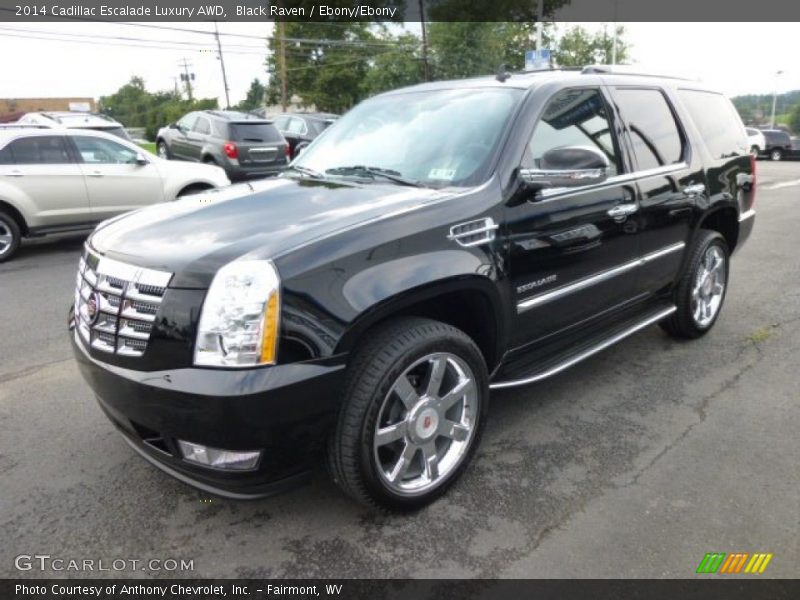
pixel 364 171
pixel 306 171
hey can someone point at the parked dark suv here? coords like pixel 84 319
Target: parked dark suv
pixel 244 145
pixel 779 144
pixel 300 129
pixel 438 242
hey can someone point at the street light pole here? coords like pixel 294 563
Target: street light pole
pixel 774 101
pixel 222 64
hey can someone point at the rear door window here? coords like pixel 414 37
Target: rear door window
pixel 202 126
pixel 6 158
pixel 717 121
pixel 255 132
pixel 657 141
pixel 40 150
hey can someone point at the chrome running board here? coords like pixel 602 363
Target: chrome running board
pixel 591 351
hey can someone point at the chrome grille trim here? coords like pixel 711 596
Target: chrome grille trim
pixel 128 299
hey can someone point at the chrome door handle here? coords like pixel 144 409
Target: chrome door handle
pixel 622 210
pixel 694 189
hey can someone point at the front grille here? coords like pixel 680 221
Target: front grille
pixel 116 304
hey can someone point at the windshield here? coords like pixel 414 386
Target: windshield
pixel 436 138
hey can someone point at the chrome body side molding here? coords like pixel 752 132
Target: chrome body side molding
pixel 581 284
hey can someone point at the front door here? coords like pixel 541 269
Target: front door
pixel 115 181
pixel 573 252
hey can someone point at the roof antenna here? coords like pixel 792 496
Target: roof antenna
pixel 502 74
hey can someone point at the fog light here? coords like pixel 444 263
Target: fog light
pixel 217 458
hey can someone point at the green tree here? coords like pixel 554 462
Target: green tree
pixel 794 119
pixel 133 106
pixel 255 96
pixel 577 47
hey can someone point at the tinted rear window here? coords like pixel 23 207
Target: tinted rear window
pixel 37 150
pixel 255 132
pixel 718 122
pixel 653 131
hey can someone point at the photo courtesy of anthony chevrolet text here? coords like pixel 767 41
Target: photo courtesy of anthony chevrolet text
pixel 399 299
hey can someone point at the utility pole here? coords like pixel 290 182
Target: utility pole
pixel 187 77
pixel 222 64
pixel 774 101
pixel 539 24
pixel 614 45
pixel 280 26
pixel 425 65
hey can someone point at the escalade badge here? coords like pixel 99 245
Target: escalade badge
pixel 92 308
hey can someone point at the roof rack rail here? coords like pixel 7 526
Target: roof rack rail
pixel 627 70
pixel 22 126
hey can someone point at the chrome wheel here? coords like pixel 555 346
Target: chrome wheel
pixel 163 152
pixel 6 237
pixel 776 155
pixel 425 424
pixel 709 286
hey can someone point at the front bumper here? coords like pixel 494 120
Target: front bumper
pixel 285 411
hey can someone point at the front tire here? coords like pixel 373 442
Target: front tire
pixel 415 402
pixel 163 150
pixel 10 236
pixel 700 292
pixel 776 154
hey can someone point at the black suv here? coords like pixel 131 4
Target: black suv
pixel 778 144
pixel 438 242
pixel 244 145
pixel 300 129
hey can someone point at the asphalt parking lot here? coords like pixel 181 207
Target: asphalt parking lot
pixel 633 464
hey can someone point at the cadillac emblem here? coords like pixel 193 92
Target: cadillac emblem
pixel 93 308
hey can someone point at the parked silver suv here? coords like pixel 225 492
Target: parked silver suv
pixel 54 181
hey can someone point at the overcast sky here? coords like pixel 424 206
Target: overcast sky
pixel 735 57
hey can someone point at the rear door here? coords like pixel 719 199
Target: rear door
pixel 179 140
pixel 669 176
pixel 572 251
pixel 198 137
pixel 116 183
pixel 49 179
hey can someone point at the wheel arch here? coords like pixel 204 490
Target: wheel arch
pixel 470 304
pixel 725 220
pixel 15 214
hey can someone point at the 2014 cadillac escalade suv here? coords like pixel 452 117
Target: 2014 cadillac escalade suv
pixel 439 242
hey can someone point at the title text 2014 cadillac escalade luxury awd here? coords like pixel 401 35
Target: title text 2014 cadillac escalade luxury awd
pixel 436 243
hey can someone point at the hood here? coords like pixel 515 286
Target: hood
pixel 195 236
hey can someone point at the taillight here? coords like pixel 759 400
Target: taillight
pixel 287 149
pixel 230 149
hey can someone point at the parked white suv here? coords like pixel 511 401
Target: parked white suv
pixel 75 120
pixel 755 141
pixel 54 181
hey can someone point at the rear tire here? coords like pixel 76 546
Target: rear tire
pixel 416 396
pixel 776 154
pixel 755 151
pixel 10 236
pixel 700 292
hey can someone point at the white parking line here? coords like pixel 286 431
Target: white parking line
pixel 783 184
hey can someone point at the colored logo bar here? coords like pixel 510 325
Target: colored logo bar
pixel 736 562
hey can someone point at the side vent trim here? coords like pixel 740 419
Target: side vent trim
pixel 473 233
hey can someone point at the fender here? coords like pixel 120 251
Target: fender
pixel 420 279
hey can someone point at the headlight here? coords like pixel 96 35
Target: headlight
pixel 239 321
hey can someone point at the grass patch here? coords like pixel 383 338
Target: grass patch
pixel 149 146
pixel 761 335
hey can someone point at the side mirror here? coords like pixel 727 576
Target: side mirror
pixel 568 166
pixel 141 160
pixel 173 126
